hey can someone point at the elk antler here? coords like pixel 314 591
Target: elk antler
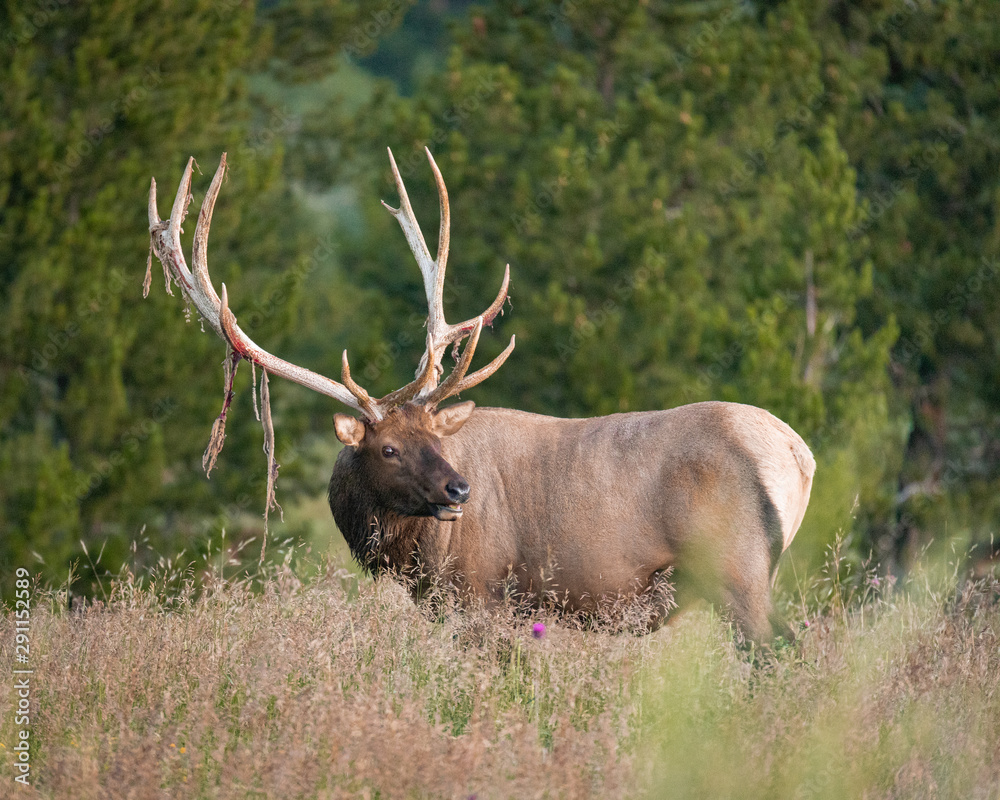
pixel 196 285
pixel 165 242
pixel 425 389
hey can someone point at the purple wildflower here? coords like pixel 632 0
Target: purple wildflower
pixel 538 630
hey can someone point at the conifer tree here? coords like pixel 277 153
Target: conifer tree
pixel 924 137
pixel 106 400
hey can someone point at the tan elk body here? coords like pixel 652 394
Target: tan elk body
pixel 499 502
pixel 591 510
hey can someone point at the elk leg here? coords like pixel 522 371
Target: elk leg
pixel 747 593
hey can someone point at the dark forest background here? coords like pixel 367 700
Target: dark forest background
pixel 787 204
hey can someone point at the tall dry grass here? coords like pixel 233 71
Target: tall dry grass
pixel 335 688
pixel 331 689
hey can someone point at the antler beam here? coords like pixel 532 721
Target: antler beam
pixel 425 389
pixel 165 242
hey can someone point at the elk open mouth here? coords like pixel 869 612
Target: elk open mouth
pixel 446 513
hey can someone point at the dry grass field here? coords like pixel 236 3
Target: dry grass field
pixel 331 687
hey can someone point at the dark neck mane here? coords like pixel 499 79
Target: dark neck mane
pixel 380 540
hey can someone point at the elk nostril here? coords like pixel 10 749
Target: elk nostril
pixel 457 490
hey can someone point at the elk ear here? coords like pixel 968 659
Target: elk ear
pixel 350 430
pixel 450 420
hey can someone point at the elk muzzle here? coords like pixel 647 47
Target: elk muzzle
pixel 457 492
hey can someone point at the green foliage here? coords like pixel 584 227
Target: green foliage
pixel 925 143
pixel 106 400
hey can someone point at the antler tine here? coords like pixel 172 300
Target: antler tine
pixel 447 388
pixel 426 372
pixel 461 330
pixel 371 408
pixel 432 273
pixel 152 210
pixel 165 237
pixel 155 226
pixel 199 249
pixel 197 286
pixel 480 375
pixel 490 313
pixel 179 210
pixel 444 232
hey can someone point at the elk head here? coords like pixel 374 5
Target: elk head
pixel 400 459
pixel 396 442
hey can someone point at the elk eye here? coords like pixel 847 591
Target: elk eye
pixel 389 452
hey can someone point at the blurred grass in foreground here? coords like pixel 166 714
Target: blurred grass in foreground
pixel 896 698
pixel 335 687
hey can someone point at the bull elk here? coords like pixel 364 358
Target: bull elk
pixel 494 501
